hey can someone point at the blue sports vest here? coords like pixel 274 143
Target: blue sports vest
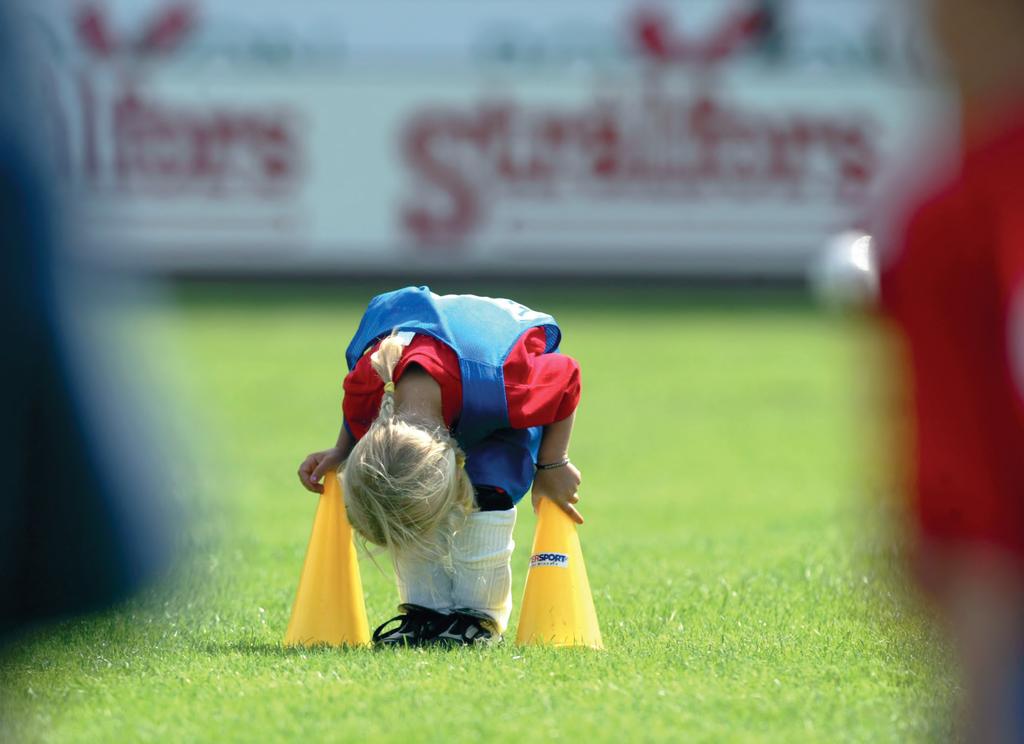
pixel 481 331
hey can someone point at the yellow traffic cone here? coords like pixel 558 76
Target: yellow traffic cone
pixel 558 609
pixel 329 607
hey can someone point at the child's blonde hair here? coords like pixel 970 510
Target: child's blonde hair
pixel 405 486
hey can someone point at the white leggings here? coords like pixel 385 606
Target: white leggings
pixel 480 577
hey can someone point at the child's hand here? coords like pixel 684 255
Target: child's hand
pixel 313 468
pixel 561 486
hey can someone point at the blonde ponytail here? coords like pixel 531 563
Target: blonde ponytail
pixel 384 360
pixel 406 486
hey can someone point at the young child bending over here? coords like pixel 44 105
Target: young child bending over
pixel 454 407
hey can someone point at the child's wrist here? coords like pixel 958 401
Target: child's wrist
pixel 553 464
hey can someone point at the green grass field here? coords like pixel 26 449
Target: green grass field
pixel 743 590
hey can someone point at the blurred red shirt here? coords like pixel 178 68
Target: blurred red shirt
pixel 540 388
pixel 954 287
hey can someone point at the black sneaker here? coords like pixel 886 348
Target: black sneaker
pixel 416 626
pixel 464 628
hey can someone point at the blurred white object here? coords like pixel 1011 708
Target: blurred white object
pixel 844 275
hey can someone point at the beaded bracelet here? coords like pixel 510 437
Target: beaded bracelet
pixel 552 465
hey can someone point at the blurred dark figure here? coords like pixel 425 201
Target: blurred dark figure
pixel 953 284
pixel 78 527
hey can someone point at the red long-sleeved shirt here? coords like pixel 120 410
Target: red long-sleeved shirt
pixel 954 288
pixel 540 388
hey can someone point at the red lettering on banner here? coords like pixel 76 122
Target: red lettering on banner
pixel 164 33
pixel 167 31
pixel 659 147
pixel 217 150
pixel 424 143
pixel 133 141
pixel 656 38
pixel 90 24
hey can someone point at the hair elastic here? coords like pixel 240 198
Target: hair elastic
pixel 389 387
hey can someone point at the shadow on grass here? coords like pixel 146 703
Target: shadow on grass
pixel 276 650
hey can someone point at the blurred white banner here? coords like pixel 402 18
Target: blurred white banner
pixel 596 136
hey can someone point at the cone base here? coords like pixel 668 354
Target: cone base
pixel 534 641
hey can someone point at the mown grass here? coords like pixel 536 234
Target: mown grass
pixel 742 586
